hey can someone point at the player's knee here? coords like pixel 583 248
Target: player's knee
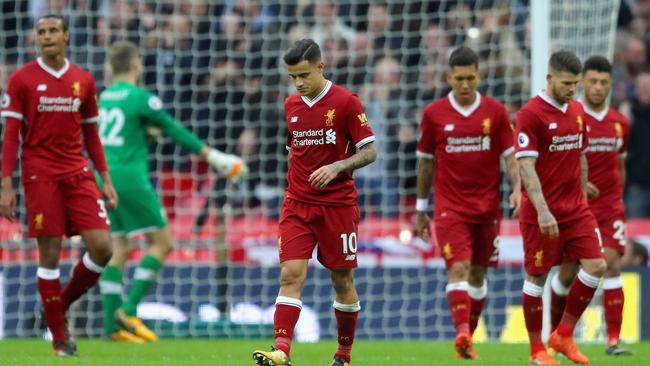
pixel 597 268
pixel 164 246
pixel 613 268
pixel 459 271
pixel 476 276
pixel 342 281
pixel 101 250
pixel 291 277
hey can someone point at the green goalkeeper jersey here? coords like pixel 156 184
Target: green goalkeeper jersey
pixel 126 112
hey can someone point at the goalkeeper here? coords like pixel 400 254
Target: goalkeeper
pixel 126 113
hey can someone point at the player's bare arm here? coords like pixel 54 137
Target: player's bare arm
pixel 588 188
pixel 323 175
pixel 426 171
pixel 8 200
pixel 547 223
pixel 512 171
pixel 622 171
pixel 109 191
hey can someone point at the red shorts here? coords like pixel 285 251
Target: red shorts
pixel 579 239
pixel 613 232
pixel 333 228
pixel 465 241
pixel 65 206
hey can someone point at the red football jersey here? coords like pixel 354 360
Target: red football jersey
pixel 329 128
pixel 467 145
pixel 52 105
pixel 554 134
pixel 608 133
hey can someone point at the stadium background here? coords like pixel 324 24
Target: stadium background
pixel 217 66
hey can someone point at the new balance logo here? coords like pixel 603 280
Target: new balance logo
pixel 330 136
pixel 41 87
pixel 449 127
pixel 294 119
pixel 552 126
pixel 350 257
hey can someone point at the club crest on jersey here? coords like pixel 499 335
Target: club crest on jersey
pixel 76 89
pixel 363 119
pixel 486 126
pixel 619 129
pixel 580 124
pixel 330 117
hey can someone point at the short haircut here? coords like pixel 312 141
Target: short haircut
pixel 640 250
pixel 121 56
pixel 565 61
pixel 55 16
pixel 463 56
pixel 303 50
pixel 598 64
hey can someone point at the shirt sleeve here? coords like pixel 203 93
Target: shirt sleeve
pixel 427 141
pixel 506 133
pixel 89 109
pixel 358 127
pixel 13 99
pixel 155 114
pixel 526 132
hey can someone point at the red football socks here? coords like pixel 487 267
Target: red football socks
pixel 287 312
pixel 84 276
pixel 346 322
pixel 579 297
pixel 558 301
pixel 49 287
pixel 531 302
pixel 459 305
pixel 613 301
pixel 477 300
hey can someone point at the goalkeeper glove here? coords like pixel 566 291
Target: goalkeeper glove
pixel 230 166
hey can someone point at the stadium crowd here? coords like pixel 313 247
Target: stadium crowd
pixel 217 67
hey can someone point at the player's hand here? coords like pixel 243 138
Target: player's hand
pixel 515 203
pixel 110 196
pixel 423 225
pixel 230 166
pixel 548 225
pixel 8 203
pixel 592 191
pixel 324 175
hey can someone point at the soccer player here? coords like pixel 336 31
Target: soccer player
pixel 555 220
pixel 329 136
pixel 51 105
pixel 463 138
pixel 126 113
pixel 608 133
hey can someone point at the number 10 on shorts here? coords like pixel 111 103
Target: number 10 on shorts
pixel 349 242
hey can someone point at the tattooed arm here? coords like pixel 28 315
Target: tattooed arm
pixel 323 175
pixel 426 171
pixel 547 223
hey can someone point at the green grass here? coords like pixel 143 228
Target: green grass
pixel 236 352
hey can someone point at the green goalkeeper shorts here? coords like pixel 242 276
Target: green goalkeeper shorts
pixel 138 209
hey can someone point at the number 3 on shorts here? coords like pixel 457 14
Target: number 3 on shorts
pixel 102 211
pixel 349 242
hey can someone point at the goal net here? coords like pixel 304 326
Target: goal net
pixel 217 67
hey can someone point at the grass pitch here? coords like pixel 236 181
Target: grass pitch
pixel 238 352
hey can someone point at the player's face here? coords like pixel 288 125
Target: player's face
pixel 307 77
pixel 563 85
pixel 464 81
pixel 51 36
pixel 597 85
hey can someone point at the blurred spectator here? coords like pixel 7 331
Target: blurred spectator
pixel 631 56
pixel 636 254
pixel 637 192
pixel 328 24
pixel 385 108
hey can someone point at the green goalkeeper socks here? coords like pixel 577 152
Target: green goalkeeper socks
pixel 144 276
pixel 110 286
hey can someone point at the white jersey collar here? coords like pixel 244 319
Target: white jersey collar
pixel 56 73
pixel 466 112
pixel 311 102
pixel 553 102
pixel 599 116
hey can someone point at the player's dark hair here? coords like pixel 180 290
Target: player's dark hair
pixel 598 64
pixel 55 16
pixel 565 61
pixel 639 250
pixel 463 56
pixel 121 56
pixel 303 50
